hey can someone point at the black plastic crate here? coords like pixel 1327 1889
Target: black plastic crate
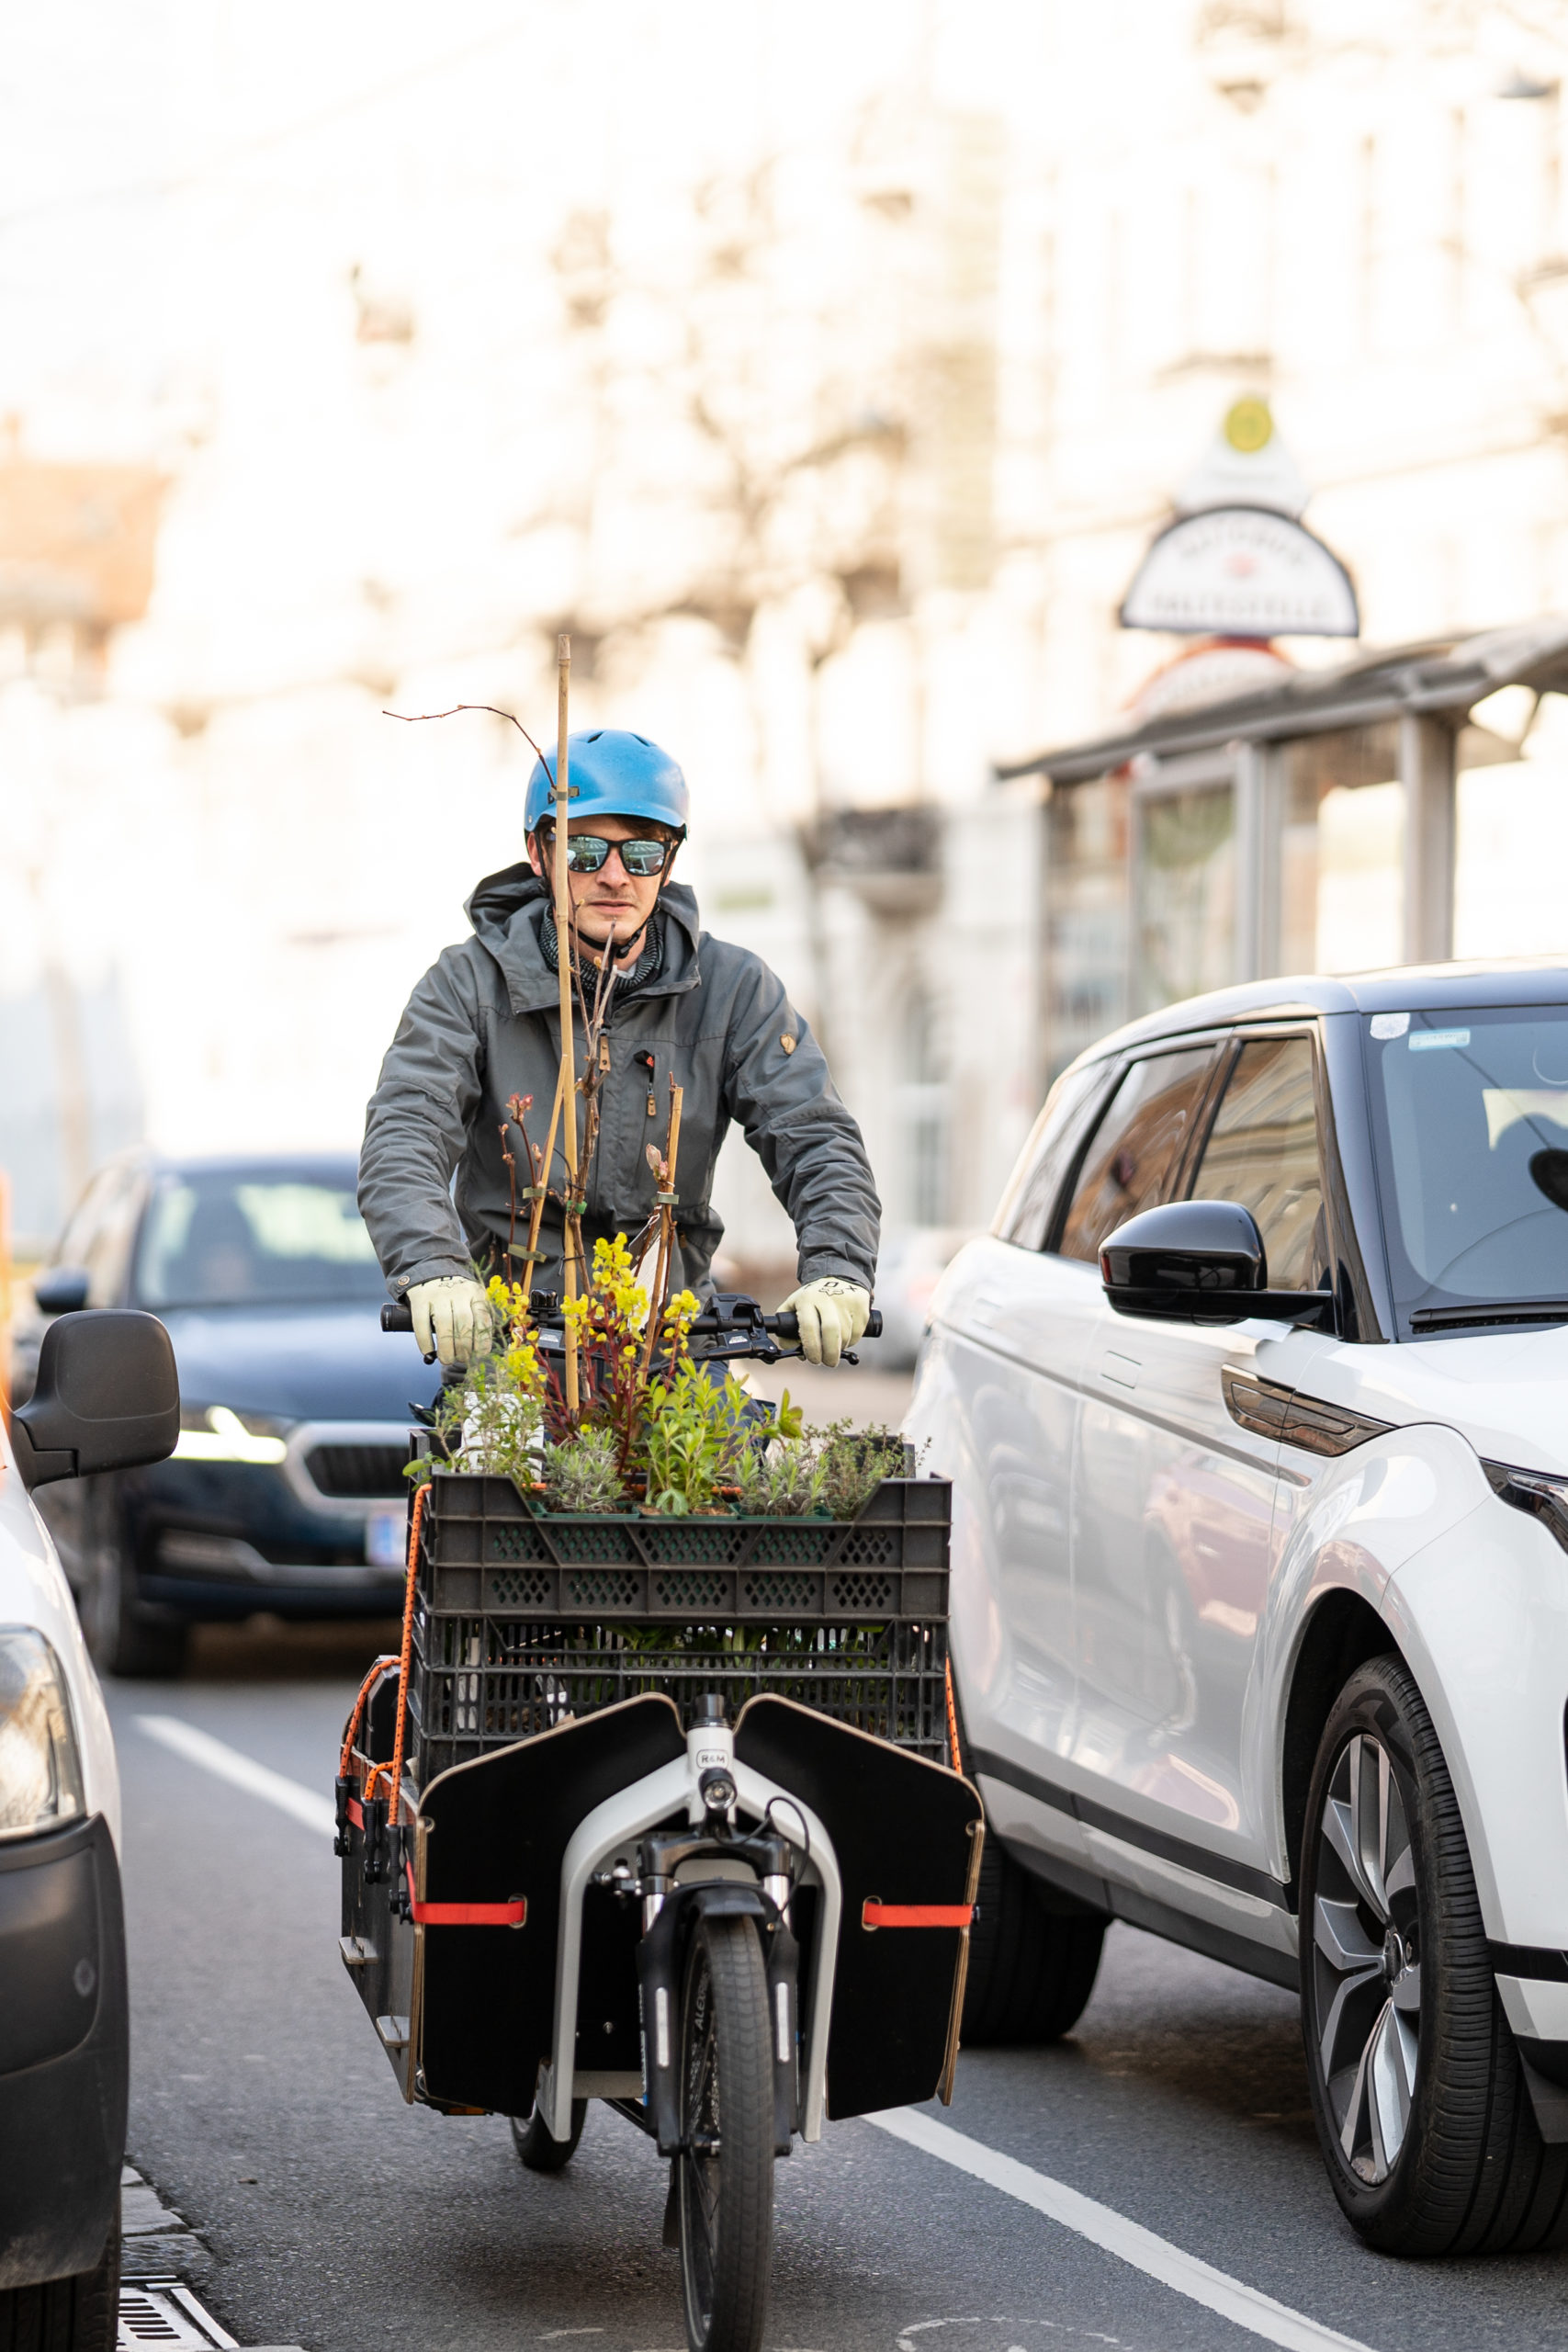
pixel 524 1617
pixel 479 1683
pixel 482 1548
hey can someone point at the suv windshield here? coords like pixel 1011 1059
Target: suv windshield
pixel 1469 1121
pixel 241 1236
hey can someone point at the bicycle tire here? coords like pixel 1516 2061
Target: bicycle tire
pixel 724 2174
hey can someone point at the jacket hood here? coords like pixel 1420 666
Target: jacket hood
pixel 506 909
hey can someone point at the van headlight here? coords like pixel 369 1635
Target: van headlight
pixel 1531 1490
pixel 41 1771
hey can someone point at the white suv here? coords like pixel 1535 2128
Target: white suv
pixel 1260 1605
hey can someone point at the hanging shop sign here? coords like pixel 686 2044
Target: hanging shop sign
pixel 1241 571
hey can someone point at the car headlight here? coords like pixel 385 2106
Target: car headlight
pixel 40 1772
pixel 217 1433
pixel 1531 1490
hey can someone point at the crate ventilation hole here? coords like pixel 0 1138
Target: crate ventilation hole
pixel 522 1589
pixel 779 1591
pixel 602 1591
pixel 690 1590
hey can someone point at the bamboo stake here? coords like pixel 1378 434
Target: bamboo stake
pixel 573 1233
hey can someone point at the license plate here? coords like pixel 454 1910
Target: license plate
pixel 385 1539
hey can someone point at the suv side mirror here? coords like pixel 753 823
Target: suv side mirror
pixel 1198 1262
pixel 61 1290
pixel 106 1397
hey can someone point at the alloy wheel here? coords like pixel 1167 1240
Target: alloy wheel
pixel 1367 1958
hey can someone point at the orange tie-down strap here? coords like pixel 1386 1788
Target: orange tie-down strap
pixel 468 1914
pixel 873 1914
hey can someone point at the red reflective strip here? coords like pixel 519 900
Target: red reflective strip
pixel 915 1915
pixel 466 1915
pixel 472 1915
pixel 356 1813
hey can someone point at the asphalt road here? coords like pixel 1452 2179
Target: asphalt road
pixel 329 2215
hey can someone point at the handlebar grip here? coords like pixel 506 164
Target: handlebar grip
pixel 397 1316
pixel 787 1325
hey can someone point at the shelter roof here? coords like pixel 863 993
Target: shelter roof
pixel 1441 677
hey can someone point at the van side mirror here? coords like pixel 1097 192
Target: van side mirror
pixel 61 1290
pixel 106 1397
pixel 1199 1261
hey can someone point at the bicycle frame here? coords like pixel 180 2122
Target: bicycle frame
pixel 608 1835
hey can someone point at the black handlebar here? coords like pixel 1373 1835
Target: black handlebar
pixel 733 1320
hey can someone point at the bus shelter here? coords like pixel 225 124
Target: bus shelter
pixel 1403 808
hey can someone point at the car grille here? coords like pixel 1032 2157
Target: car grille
pixel 347 1471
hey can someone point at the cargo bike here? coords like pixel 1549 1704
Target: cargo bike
pixel 666 1812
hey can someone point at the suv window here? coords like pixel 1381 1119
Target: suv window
pixel 1262 1151
pixel 1137 1146
pixel 1024 1217
pixel 255 1237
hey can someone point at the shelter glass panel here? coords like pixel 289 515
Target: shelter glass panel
pixel 1086 915
pixel 1342 853
pixel 1512 827
pixel 1186 895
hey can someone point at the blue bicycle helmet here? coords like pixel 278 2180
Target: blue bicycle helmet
pixel 611 774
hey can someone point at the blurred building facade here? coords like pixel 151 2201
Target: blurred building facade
pixel 826 373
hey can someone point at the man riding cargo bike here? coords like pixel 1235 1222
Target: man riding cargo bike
pixel 660 1803
pixel 483 1029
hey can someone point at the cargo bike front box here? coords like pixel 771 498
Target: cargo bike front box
pixel 664 1803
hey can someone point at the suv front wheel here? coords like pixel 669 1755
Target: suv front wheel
pixel 1421 2107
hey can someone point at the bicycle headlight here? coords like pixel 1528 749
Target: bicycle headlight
pixel 41 1771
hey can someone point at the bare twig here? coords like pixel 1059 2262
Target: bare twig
pixel 518 1108
pixel 663 1165
pixel 417 718
pixel 541 1179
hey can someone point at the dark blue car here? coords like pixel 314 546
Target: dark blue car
pixel 286 1492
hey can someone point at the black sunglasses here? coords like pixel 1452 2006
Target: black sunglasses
pixel 586 853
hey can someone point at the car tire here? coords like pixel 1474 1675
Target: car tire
pixel 1032 1966
pixel 1422 2110
pixel 123 1640
pixel 536 2146
pixel 76 2315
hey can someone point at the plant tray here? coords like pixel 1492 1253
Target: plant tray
pixel 524 1617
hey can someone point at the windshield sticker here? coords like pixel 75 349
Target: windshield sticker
pixel 1425 1041
pixel 1390 1024
pixel 1506 1105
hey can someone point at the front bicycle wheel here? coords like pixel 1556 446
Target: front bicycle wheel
pixel 725 2176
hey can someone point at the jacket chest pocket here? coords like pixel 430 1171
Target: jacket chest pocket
pixel 645 1069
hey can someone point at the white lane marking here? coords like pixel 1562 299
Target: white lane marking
pixel 1129 2241
pixel 226 1763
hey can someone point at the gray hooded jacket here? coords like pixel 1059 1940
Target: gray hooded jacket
pixel 483 1026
